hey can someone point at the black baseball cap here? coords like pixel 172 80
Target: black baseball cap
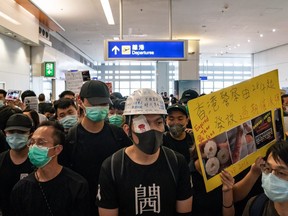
pixel 188 95
pixel 177 107
pixel 116 95
pixel 20 122
pixel 96 92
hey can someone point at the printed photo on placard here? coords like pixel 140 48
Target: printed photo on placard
pixel 263 129
pixel 215 154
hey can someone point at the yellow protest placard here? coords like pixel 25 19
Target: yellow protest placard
pixel 235 125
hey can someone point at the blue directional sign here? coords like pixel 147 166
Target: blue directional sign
pixel 203 77
pixel 146 50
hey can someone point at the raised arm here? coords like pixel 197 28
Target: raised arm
pixel 243 187
pixel 227 194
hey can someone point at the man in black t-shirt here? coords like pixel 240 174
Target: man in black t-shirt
pixel 177 138
pixel 166 99
pixel 145 178
pixel 52 189
pixel 173 99
pixel 14 163
pixel 90 142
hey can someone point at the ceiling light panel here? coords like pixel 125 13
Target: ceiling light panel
pixel 108 12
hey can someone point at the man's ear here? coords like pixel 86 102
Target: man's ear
pixel 79 102
pixel 78 99
pixel 58 149
pixel 165 119
pixel 126 129
pixel 187 121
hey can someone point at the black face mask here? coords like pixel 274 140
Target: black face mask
pixel 176 130
pixel 149 141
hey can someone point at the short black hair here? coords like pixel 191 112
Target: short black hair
pixel 278 151
pixel 27 93
pixel 116 95
pixel 5 113
pixel 66 92
pixel 283 96
pixel 49 109
pixel 64 103
pixel 35 118
pixel 118 104
pixel 41 97
pixel 2 91
pixel 58 131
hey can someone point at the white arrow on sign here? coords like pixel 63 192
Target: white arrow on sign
pixel 115 49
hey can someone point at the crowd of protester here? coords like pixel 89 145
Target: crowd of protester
pixel 99 153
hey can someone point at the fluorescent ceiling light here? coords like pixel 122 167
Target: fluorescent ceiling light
pixel 8 18
pixel 108 12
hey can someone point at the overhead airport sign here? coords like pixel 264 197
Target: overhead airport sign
pixel 146 50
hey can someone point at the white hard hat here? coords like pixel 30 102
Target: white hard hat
pixel 144 101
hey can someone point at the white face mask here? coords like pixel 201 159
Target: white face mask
pixel 276 189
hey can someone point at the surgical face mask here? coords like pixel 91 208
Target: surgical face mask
pixel 176 130
pixel 38 155
pixel 149 141
pixel 69 121
pixel 276 189
pixel 97 113
pixel 116 120
pixel 17 141
pixel 1 103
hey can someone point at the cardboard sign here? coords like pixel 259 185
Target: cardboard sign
pixel 74 81
pixel 31 103
pixel 235 125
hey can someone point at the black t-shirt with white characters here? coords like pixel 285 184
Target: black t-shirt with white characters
pixel 144 189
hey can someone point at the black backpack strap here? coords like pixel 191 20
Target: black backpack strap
pixel 117 164
pixel 2 156
pixel 172 162
pixel 258 204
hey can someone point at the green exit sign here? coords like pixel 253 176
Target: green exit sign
pixel 49 69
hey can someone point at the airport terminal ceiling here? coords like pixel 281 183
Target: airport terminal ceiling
pixel 230 27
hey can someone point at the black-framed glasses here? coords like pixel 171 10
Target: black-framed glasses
pixel 281 173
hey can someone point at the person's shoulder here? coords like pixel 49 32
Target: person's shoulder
pixel 119 134
pixel 114 128
pixel 115 158
pixel 3 155
pixel 73 176
pixel 26 181
pixel 246 211
pixel 167 139
pixel 42 117
pixel 176 155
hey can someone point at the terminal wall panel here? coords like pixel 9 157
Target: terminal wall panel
pixel 15 67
